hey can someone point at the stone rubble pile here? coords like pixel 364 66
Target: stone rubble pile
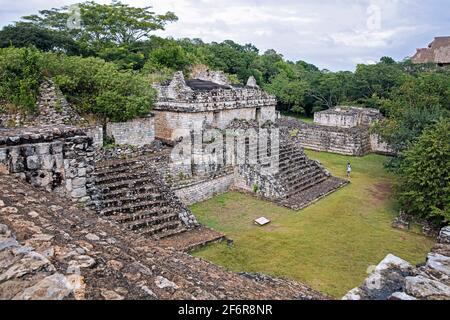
pixel 52 108
pixel 396 279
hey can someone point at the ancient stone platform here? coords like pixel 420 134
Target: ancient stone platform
pixel 50 249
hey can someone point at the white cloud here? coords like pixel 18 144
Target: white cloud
pixel 333 34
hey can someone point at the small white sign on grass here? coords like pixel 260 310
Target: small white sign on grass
pixel 262 221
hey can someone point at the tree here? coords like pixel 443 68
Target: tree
pixel 290 93
pixel 28 35
pixel 104 24
pixel 424 189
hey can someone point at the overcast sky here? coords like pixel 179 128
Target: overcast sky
pixel 332 34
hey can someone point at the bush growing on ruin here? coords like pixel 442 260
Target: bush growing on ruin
pixel 99 87
pixel 424 189
pixel 20 74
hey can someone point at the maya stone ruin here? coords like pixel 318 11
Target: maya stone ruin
pixel 81 210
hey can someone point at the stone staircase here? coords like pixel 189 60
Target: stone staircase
pixel 298 182
pixel 304 180
pixel 132 193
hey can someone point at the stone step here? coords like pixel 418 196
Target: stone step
pixel 126 184
pixel 300 173
pixel 131 208
pixel 107 166
pixel 306 184
pixel 152 221
pixel 126 218
pixel 293 157
pixel 118 169
pixel 174 225
pixel 122 201
pixel 121 193
pixel 289 166
pixel 170 232
pixel 133 175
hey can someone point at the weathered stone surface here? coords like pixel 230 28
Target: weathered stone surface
pixel 92 237
pixel 30 263
pixel 111 295
pixel 142 259
pixel 49 157
pixel 387 278
pixel 401 296
pixel 425 288
pixel 54 287
pixel 164 283
pixel 431 281
pixel 444 235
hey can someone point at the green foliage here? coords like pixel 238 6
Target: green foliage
pixel 91 84
pixel 414 105
pixel 425 175
pixel 104 24
pixel 24 35
pixel 20 73
pixel 99 87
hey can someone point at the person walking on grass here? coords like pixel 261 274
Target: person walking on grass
pixel 349 170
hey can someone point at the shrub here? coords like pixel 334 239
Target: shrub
pixel 20 74
pixel 424 189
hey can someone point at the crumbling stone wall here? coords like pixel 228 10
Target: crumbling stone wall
pixel 379 146
pixel 57 158
pixel 191 192
pixel 347 117
pixel 138 132
pixel 52 108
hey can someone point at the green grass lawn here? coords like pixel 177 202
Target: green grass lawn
pixel 302 118
pixel 328 245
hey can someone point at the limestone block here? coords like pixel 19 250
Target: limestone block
pixel 444 235
pixel 3 154
pixel 33 163
pixel 42 148
pixel 47 162
pixel 56 147
pixel 79 192
pixel 425 288
pixel 78 182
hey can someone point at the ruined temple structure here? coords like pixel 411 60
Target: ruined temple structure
pixel 210 99
pixel 343 130
pixel 438 52
pixel 131 218
pixel 52 249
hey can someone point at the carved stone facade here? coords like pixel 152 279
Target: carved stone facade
pixel 187 105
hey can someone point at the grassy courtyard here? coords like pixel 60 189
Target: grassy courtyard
pixel 328 245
